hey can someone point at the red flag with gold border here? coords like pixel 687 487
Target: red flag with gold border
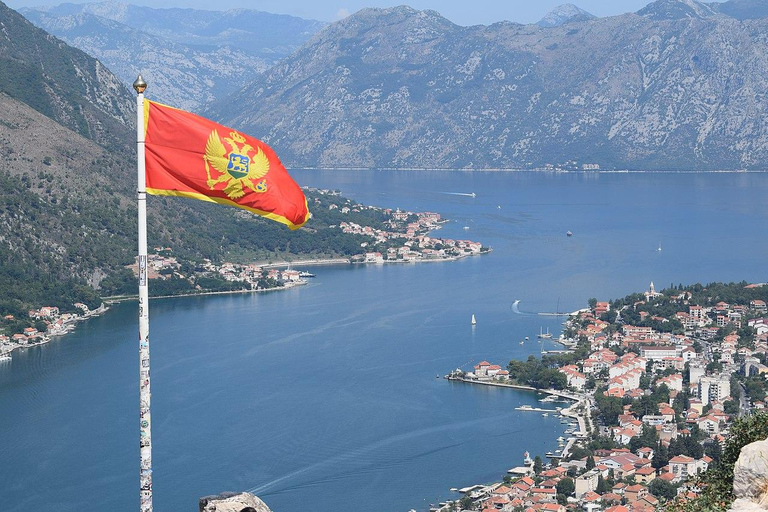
pixel 190 156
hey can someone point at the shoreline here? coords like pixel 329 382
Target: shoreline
pixel 582 417
pixel 552 392
pixel 117 299
pixel 306 263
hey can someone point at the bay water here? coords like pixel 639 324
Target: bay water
pixel 325 397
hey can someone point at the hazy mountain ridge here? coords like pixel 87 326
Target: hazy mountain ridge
pixel 631 91
pixel 190 57
pixel 565 13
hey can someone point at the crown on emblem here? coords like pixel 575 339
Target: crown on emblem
pixel 237 137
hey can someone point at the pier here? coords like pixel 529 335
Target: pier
pixel 535 409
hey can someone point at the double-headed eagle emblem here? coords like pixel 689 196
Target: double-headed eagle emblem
pixel 237 169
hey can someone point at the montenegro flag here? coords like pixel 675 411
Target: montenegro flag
pixel 190 156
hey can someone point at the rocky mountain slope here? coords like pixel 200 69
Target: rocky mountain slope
pixel 61 82
pixel 679 85
pixel 191 57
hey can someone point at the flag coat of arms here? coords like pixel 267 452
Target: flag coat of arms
pixel 189 156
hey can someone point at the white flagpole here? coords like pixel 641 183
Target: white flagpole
pixel 145 395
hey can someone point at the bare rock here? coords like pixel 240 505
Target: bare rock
pixel 750 476
pixel 742 505
pixel 232 502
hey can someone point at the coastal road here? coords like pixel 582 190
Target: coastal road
pixel 744 407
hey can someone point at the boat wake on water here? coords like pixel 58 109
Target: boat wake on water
pixel 465 194
pixel 517 311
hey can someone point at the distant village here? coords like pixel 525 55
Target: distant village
pixel 406 237
pixel 655 381
pixel 56 324
pixel 418 245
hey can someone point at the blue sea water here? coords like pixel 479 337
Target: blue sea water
pixel 324 397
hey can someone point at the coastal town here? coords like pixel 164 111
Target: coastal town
pixel 654 380
pixel 403 236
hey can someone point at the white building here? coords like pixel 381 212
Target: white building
pixel 713 388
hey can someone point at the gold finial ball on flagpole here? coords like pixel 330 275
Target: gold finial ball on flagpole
pixel 139 85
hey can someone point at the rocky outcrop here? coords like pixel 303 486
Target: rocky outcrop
pixel 233 502
pixel 750 478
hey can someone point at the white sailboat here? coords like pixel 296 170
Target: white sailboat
pixel 659 249
pixel 543 334
pixel 474 322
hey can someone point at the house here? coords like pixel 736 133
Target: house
pixel 586 482
pixel 635 492
pixel 645 453
pixel 544 495
pixel 645 475
pixel 481 369
pixel 682 466
pixel 658 353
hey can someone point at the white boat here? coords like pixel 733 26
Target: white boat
pixel 543 334
pixel 659 249
pixel 473 194
pixel 522 343
pixel 474 322
pixel 466 228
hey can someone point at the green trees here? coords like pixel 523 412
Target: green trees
pixel 535 373
pixel 566 486
pixel 609 407
pixel 648 438
pixel 686 445
pixel 603 485
pixel 662 489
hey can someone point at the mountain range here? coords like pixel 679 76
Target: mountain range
pixel 191 57
pixel 678 85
